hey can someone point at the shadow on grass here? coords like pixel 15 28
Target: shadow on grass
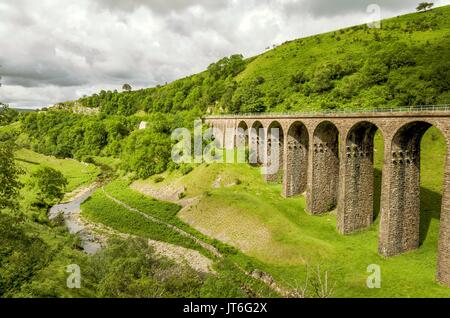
pixel 28 161
pixel 430 208
pixel 430 205
pixel 377 194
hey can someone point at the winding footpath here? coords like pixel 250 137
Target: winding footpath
pixel 92 243
pixel 206 246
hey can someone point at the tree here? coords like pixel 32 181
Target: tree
pixel 9 177
pixel 424 6
pixel 49 185
pixel 126 87
pixel 7 115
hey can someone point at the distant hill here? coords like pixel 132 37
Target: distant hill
pixel 406 62
pixel 24 110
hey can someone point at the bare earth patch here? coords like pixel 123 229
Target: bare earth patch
pixel 165 193
pixel 225 223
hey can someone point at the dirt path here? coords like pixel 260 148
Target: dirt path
pixel 186 203
pixel 179 254
pixel 94 236
pixel 206 246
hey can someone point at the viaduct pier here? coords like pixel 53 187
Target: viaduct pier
pixel 330 157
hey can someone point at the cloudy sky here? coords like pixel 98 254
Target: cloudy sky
pixel 57 50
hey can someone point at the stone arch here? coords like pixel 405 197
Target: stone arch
pixel 325 169
pixel 242 142
pixel 274 162
pixel 217 132
pixel 257 138
pixel 356 202
pixel 400 219
pixel 242 136
pixel 296 160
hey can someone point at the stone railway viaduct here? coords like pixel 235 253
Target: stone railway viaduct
pixel 330 157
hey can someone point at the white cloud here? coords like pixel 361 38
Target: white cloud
pixel 56 50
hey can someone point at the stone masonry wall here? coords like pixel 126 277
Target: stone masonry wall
pixel 357 180
pixel 325 168
pixel 296 160
pixel 332 157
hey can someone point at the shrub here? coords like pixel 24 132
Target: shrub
pixel 159 179
pixel 49 185
pixel 186 169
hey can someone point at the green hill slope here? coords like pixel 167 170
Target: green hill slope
pixel 406 62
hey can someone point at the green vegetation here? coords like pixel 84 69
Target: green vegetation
pixel 285 241
pixel 164 211
pixel 424 6
pixel 7 115
pixel 49 185
pixel 9 176
pixel 34 253
pixel 77 173
pixel 145 152
pixel 126 87
pixel 100 209
pixel 406 63
pixel 230 282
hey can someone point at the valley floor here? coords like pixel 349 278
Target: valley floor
pixel 233 204
pixel 225 221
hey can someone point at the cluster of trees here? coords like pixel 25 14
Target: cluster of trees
pixel 7 115
pixel 213 87
pixel 67 135
pixel 9 176
pixel 424 6
pixel 49 185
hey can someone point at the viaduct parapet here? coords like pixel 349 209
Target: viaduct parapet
pixel 330 157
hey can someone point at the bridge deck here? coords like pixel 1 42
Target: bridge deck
pixel 421 111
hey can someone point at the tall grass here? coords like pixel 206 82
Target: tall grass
pixel 100 209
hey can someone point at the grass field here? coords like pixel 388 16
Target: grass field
pixel 100 209
pixel 78 174
pixel 229 282
pixel 284 240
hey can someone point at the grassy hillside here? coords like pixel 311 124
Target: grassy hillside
pixel 35 253
pixel 77 173
pixel 229 281
pixel 406 62
pixel 236 206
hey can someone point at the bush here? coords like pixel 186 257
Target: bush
pixel 159 179
pixel 186 169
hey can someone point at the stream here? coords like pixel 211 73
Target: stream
pixel 71 214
